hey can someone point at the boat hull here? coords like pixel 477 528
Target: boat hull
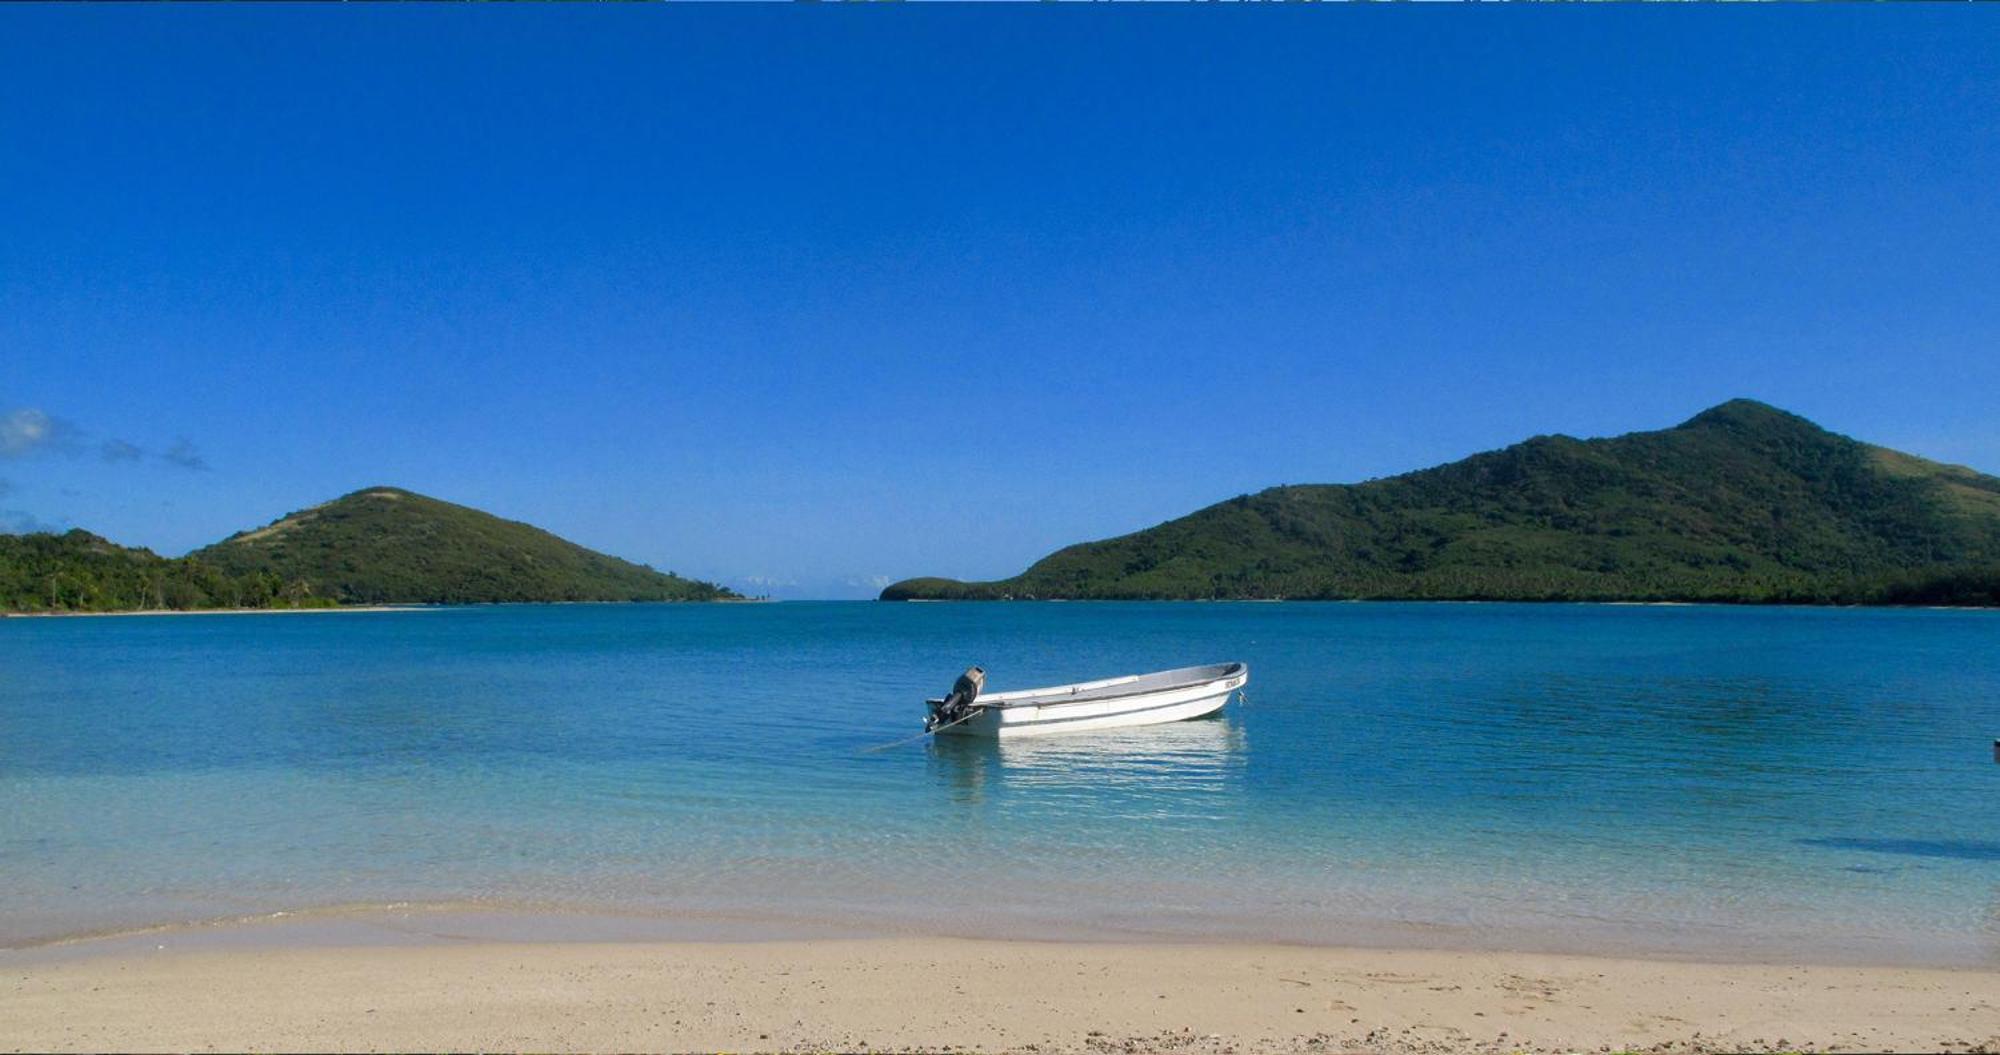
pixel 1046 712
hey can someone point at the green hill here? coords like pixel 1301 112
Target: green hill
pixel 1743 503
pixel 385 545
pixel 381 545
pixel 80 572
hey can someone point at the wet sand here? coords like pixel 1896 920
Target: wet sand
pixel 962 994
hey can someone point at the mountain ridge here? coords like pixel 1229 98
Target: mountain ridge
pixel 1743 502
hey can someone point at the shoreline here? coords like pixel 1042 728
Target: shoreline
pixel 511 921
pixel 451 991
pixel 365 608
pixel 1510 601
pixel 222 611
pixel 1739 605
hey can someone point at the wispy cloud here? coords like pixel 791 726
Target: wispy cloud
pixel 812 587
pixel 30 431
pixel 27 431
pixel 184 454
pixel 22 522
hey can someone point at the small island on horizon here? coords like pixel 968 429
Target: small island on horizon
pixel 1744 503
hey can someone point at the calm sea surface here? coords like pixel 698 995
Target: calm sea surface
pixel 1757 782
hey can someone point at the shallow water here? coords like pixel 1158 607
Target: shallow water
pixel 1688 780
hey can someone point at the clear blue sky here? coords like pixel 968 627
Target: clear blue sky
pixel 822 294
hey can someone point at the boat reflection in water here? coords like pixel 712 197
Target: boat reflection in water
pixel 1197 758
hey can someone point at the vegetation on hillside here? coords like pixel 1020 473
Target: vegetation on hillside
pixel 80 572
pixel 1742 503
pixel 378 546
pixel 385 545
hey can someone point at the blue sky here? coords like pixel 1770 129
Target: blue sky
pixel 805 297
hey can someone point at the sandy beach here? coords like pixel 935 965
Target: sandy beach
pixel 968 995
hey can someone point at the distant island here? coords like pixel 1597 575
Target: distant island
pixel 378 545
pixel 1743 503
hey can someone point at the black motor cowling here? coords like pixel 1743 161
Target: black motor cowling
pixel 958 705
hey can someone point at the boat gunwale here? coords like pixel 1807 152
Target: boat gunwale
pixel 1025 698
pixel 1030 723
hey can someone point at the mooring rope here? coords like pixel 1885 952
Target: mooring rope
pixel 968 716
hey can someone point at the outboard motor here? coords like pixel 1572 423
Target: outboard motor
pixel 957 706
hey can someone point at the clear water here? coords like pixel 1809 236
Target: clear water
pixel 1713 781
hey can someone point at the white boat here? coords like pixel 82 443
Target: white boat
pixel 1113 703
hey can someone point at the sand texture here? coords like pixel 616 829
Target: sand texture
pixel 940 993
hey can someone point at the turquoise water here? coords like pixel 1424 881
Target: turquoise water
pixel 1683 780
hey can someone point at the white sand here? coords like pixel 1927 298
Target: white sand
pixel 901 993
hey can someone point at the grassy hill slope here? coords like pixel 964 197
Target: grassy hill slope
pixel 1743 502
pixel 385 545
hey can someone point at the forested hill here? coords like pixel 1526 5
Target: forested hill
pixel 79 572
pixel 381 545
pixel 1742 503
pixel 385 545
